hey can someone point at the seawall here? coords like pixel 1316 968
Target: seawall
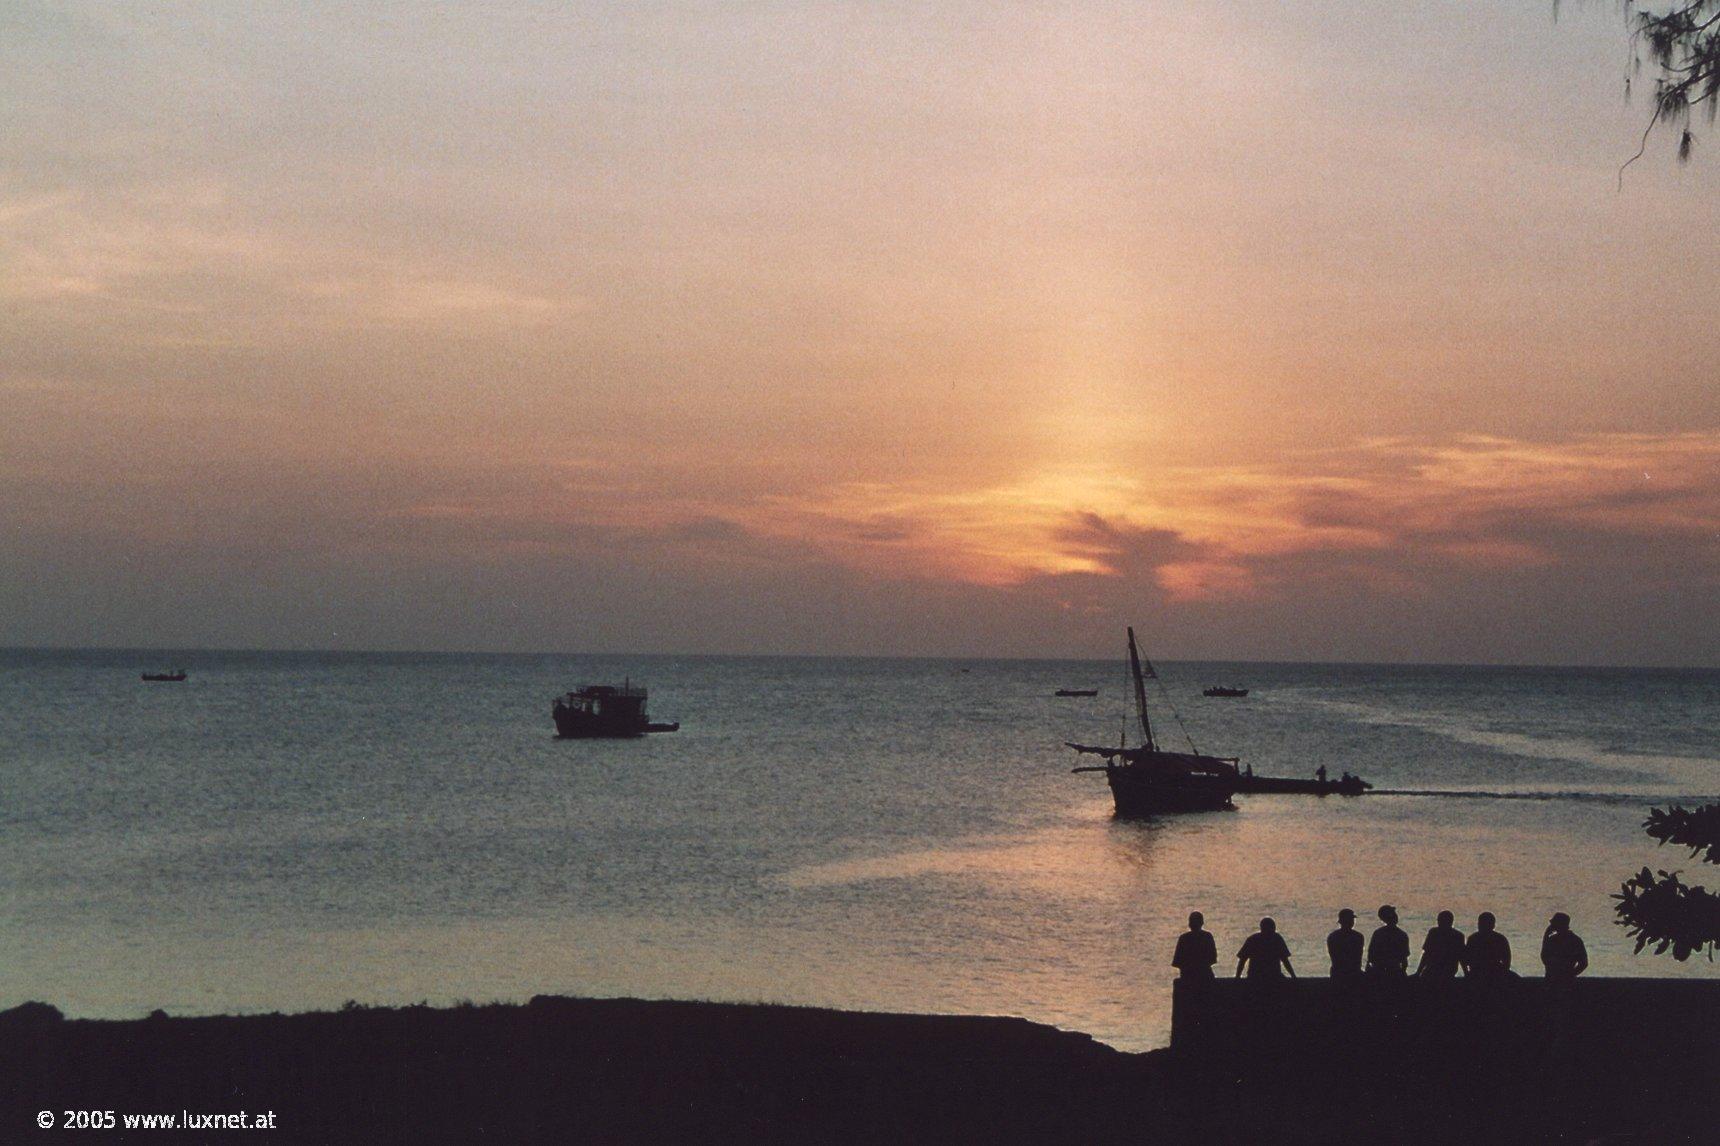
pixel 1632 1033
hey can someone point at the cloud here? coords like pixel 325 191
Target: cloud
pixel 1391 516
pixel 700 530
pixel 394 294
pixel 196 250
pixel 1119 547
pixel 1455 550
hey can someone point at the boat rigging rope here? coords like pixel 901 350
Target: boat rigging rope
pixel 1184 728
pixel 1180 725
pixel 1167 699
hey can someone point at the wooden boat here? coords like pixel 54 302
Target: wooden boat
pixel 605 710
pixel 176 676
pixel 1225 690
pixel 1076 692
pixel 1148 780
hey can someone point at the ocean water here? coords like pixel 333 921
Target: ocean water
pixel 288 831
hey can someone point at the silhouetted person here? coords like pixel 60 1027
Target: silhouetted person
pixel 1388 947
pixel 1196 952
pixel 1562 950
pixel 1345 947
pixel 1441 951
pixel 1487 954
pixel 1320 773
pixel 1263 951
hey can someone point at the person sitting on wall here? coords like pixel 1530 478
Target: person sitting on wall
pixel 1345 947
pixel 1388 947
pixel 1487 954
pixel 1196 952
pixel 1441 951
pixel 1263 952
pixel 1562 950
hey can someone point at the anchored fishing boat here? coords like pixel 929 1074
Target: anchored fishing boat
pixel 1076 692
pixel 1148 780
pixel 605 710
pixel 177 676
pixel 1225 690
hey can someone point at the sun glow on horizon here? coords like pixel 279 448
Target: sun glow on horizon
pixel 1203 531
pixel 962 326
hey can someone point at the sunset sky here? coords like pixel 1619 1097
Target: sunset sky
pixel 1281 330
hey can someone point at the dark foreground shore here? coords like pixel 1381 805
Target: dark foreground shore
pixel 585 1070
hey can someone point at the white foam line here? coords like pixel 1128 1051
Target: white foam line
pixel 1517 743
pixel 1596 797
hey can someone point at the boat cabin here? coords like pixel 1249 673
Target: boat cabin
pixel 605 710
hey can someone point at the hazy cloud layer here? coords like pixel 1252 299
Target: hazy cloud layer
pixel 1295 330
pixel 1599 548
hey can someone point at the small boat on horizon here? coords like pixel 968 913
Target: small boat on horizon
pixel 175 676
pixel 1076 692
pixel 1225 690
pixel 605 710
pixel 1147 780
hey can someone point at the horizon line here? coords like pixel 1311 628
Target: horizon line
pixel 422 652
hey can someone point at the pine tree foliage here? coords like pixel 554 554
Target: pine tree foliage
pixel 1682 42
pixel 1660 909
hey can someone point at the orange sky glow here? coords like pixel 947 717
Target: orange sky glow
pixel 1282 331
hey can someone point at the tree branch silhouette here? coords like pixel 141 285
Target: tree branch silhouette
pixel 1659 908
pixel 1682 42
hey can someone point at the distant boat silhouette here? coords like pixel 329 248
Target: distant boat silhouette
pixel 1148 780
pixel 1347 785
pixel 605 710
pixel 1076 692
pixel 175 676
pixel 1225 690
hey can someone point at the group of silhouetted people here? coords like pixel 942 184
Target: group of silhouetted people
pixel 1484 954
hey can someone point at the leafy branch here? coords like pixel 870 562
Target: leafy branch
pixel 1659 908
pixel 1695 828
pixel 1668 913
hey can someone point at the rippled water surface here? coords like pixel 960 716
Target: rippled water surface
pixel 287 831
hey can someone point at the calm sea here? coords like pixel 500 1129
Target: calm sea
pixel 288 831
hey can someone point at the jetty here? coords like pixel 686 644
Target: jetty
pixel 1286 785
